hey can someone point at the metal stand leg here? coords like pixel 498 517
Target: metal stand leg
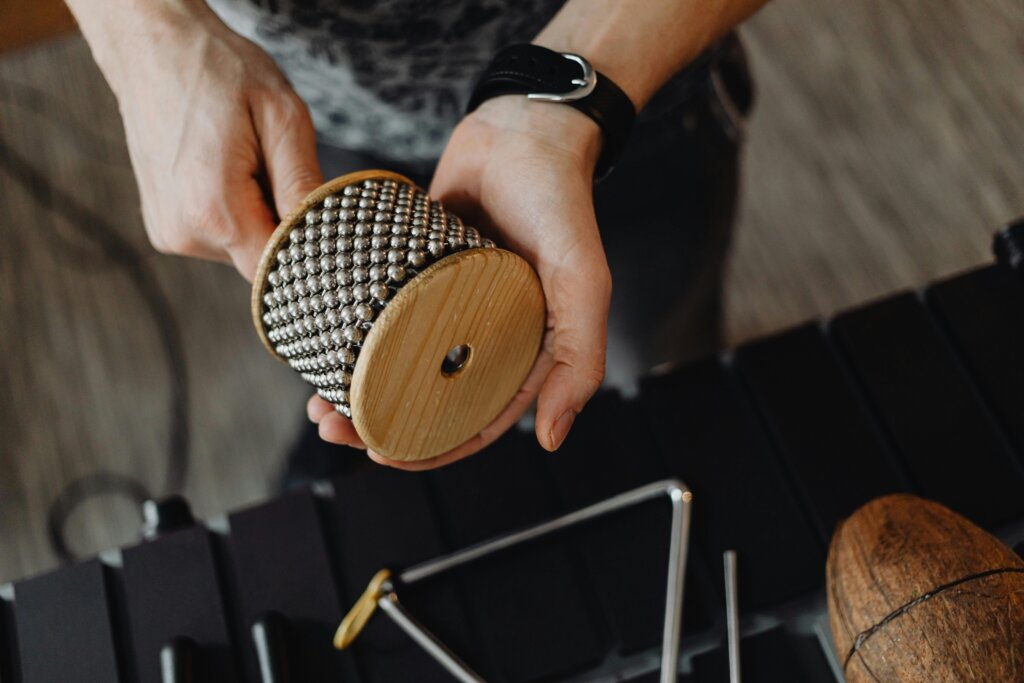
pixel 732 615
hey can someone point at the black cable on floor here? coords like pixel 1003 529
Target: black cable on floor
pixel 121 253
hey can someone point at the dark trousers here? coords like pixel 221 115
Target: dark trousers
pixel 665 214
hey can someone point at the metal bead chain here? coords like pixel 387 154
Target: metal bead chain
pixel 336 273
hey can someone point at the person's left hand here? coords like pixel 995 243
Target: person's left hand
pixel 522 172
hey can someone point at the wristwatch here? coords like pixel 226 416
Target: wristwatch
pixel 563 77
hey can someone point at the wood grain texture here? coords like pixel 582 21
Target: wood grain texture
pixel 898 549
pixel 403 406
pixel 884 150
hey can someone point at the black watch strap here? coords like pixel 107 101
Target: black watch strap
pixel 544 74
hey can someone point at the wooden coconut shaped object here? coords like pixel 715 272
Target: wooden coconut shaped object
pixel 411 323
pixel 917 593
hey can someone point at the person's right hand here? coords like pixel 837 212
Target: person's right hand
pixel 523 172
pixel 215 133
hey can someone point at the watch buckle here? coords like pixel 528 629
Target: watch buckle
pixel 584 85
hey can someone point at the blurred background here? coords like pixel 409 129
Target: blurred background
pixel 886 146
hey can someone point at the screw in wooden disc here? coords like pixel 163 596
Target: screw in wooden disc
pixel 447 354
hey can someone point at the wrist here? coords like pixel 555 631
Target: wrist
pixel 640 44
pixel 552 125
pixel 638 84
pixel 120 32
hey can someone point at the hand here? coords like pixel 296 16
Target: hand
pixel 215 131
pixel 522 172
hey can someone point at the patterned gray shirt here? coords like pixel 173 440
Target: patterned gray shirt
pixel 387 77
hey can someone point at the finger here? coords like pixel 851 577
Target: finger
pixel 316 408
pixel 251 225
pixel 288 143
pixel 578 300
pixel 508 417
pixel 221 217
pixel 456 183
pixel 338 429
pixel 573 381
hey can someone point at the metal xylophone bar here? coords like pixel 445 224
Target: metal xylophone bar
pixel 384 517
pixel 824 434
pixel 280 574
pixel 488 495
pixel 711 439
pixel 626 549
pixel 980 314
pixel 927 406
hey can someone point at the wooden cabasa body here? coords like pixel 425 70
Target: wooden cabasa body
pixel 917 593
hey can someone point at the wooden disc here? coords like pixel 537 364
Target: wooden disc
pixel 406 405
pixel 940 599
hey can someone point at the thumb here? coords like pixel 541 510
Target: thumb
pixel 578 298
pixel 288 143
pixel 578 350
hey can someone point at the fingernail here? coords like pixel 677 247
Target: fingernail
pixel 560 429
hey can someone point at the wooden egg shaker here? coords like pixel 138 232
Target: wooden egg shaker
pixel 918 594
pixel 409 322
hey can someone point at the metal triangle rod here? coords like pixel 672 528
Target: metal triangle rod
pixel 390 605
pixel 681 499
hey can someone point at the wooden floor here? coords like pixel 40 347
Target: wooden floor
pixel 887 145
pixel 24 22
